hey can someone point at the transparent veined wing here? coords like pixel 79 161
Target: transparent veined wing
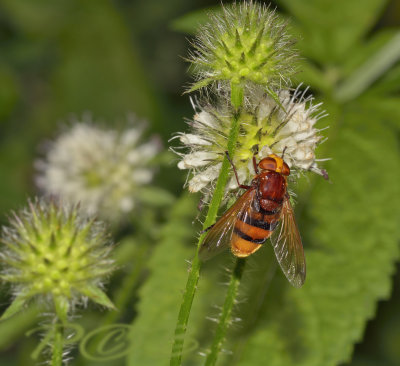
pixel 220 235
pixel 288 247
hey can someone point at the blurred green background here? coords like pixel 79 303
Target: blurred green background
pixel 64 57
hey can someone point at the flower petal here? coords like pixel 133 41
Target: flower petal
pixel 197 159
pixel 191 139
pixel 200 180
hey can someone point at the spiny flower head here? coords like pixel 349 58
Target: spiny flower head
pixel 50 252
pixel 263 123
pixel 247 44
pixel 101 168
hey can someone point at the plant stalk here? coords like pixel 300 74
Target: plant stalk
pixel 194 273
pixel 56 359
pixel 225 316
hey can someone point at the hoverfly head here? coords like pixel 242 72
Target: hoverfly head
pixel 274 163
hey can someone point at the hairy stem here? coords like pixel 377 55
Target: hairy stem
pixel 193 277
pixel 225 316
pixel 58 340
pixel 237 96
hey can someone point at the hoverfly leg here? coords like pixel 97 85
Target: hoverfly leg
pixel 206 229
pixel 255 166
pixel 244 186
pixel 200 207
pixel 234 170
pixel 325 174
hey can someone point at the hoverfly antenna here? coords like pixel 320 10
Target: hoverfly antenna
pixel 283 152
pixel 255 149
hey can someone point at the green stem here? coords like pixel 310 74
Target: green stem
pixel 129 282
pixel 56 359
pixel 193 277
pixel 255 311
pixel 237 95
pixel 225 316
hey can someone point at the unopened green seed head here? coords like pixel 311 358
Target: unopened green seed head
pixel 52 251
pixel 247 43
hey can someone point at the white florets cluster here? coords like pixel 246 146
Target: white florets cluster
pixel 263 123
pixel 296 136
pixel 100 168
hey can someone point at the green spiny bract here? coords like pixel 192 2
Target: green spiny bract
pixel 49 252
pixel 246 44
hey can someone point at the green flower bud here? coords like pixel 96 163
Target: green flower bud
pixel 52 253
pixel 246 44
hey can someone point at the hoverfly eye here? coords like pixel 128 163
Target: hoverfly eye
pixel 285 169
pixel 267 164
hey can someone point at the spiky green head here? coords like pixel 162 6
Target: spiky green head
pixel 247 43
pixel 52 253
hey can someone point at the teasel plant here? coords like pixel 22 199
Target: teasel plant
pixel 109 171
pixel 56 257
pixel 105 169
pixel 243 61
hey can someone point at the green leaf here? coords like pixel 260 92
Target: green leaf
pixel 388 109
pixel 16 306
pixel 200 84
pixel 190 22
pixel 153 330
pixel 331 28
pixel 155 196
pixel 14 328
pixel 363 51
pixel 275 97
pixel 389 83
pixel 83 76
pixel 351 251
pixel 371 70
pixel 326 79
pixel 125 250
pixel 366 362
pixel 9 92
pixel 312 76
pixel 30 17
pixel 97 295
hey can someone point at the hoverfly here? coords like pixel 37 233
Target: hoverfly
pixel 263 211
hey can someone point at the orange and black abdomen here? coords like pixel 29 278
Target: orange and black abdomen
pixel 257 224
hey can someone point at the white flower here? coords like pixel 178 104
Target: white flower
pixel 296 137
pixel 100 168
pixel 287 131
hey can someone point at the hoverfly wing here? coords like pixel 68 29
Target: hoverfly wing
pixel 288 247
pixel 219 236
